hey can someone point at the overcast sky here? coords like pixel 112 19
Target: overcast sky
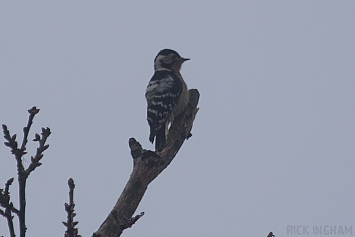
pixel 273 143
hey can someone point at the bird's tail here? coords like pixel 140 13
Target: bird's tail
pixel 151 135
pixel 160 139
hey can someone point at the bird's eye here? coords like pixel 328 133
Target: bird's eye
pixel 173 57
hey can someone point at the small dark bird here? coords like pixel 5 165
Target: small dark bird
pixel 271 235
pixel 166 95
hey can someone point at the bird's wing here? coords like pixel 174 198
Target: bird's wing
pixel 163 92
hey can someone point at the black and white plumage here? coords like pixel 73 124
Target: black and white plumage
pixel 166 95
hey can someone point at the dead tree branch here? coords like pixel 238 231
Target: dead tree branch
pixel 147 165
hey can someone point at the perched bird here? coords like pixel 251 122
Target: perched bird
pixel 271 235
pixel 166 95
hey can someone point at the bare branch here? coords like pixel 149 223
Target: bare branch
pixel 11 141
pixel 33 111
pixel 147 165
pixel 69 208
pixel 9 208
pixel 42 147
pixel 19 153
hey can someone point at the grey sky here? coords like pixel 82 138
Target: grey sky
pixel 273 143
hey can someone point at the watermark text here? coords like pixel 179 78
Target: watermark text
pixel 335 230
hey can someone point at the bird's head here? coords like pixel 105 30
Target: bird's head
pixel 168 60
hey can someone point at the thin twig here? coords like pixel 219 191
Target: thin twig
pixel 33 111
pixel 125 222
pixel 22 174
pixel 69 208
pixel 41 148
pixel 12 143
pixel 9 208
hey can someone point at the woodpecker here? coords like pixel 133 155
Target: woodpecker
pixel 166 95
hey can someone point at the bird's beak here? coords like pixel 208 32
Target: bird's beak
pixel 185 59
